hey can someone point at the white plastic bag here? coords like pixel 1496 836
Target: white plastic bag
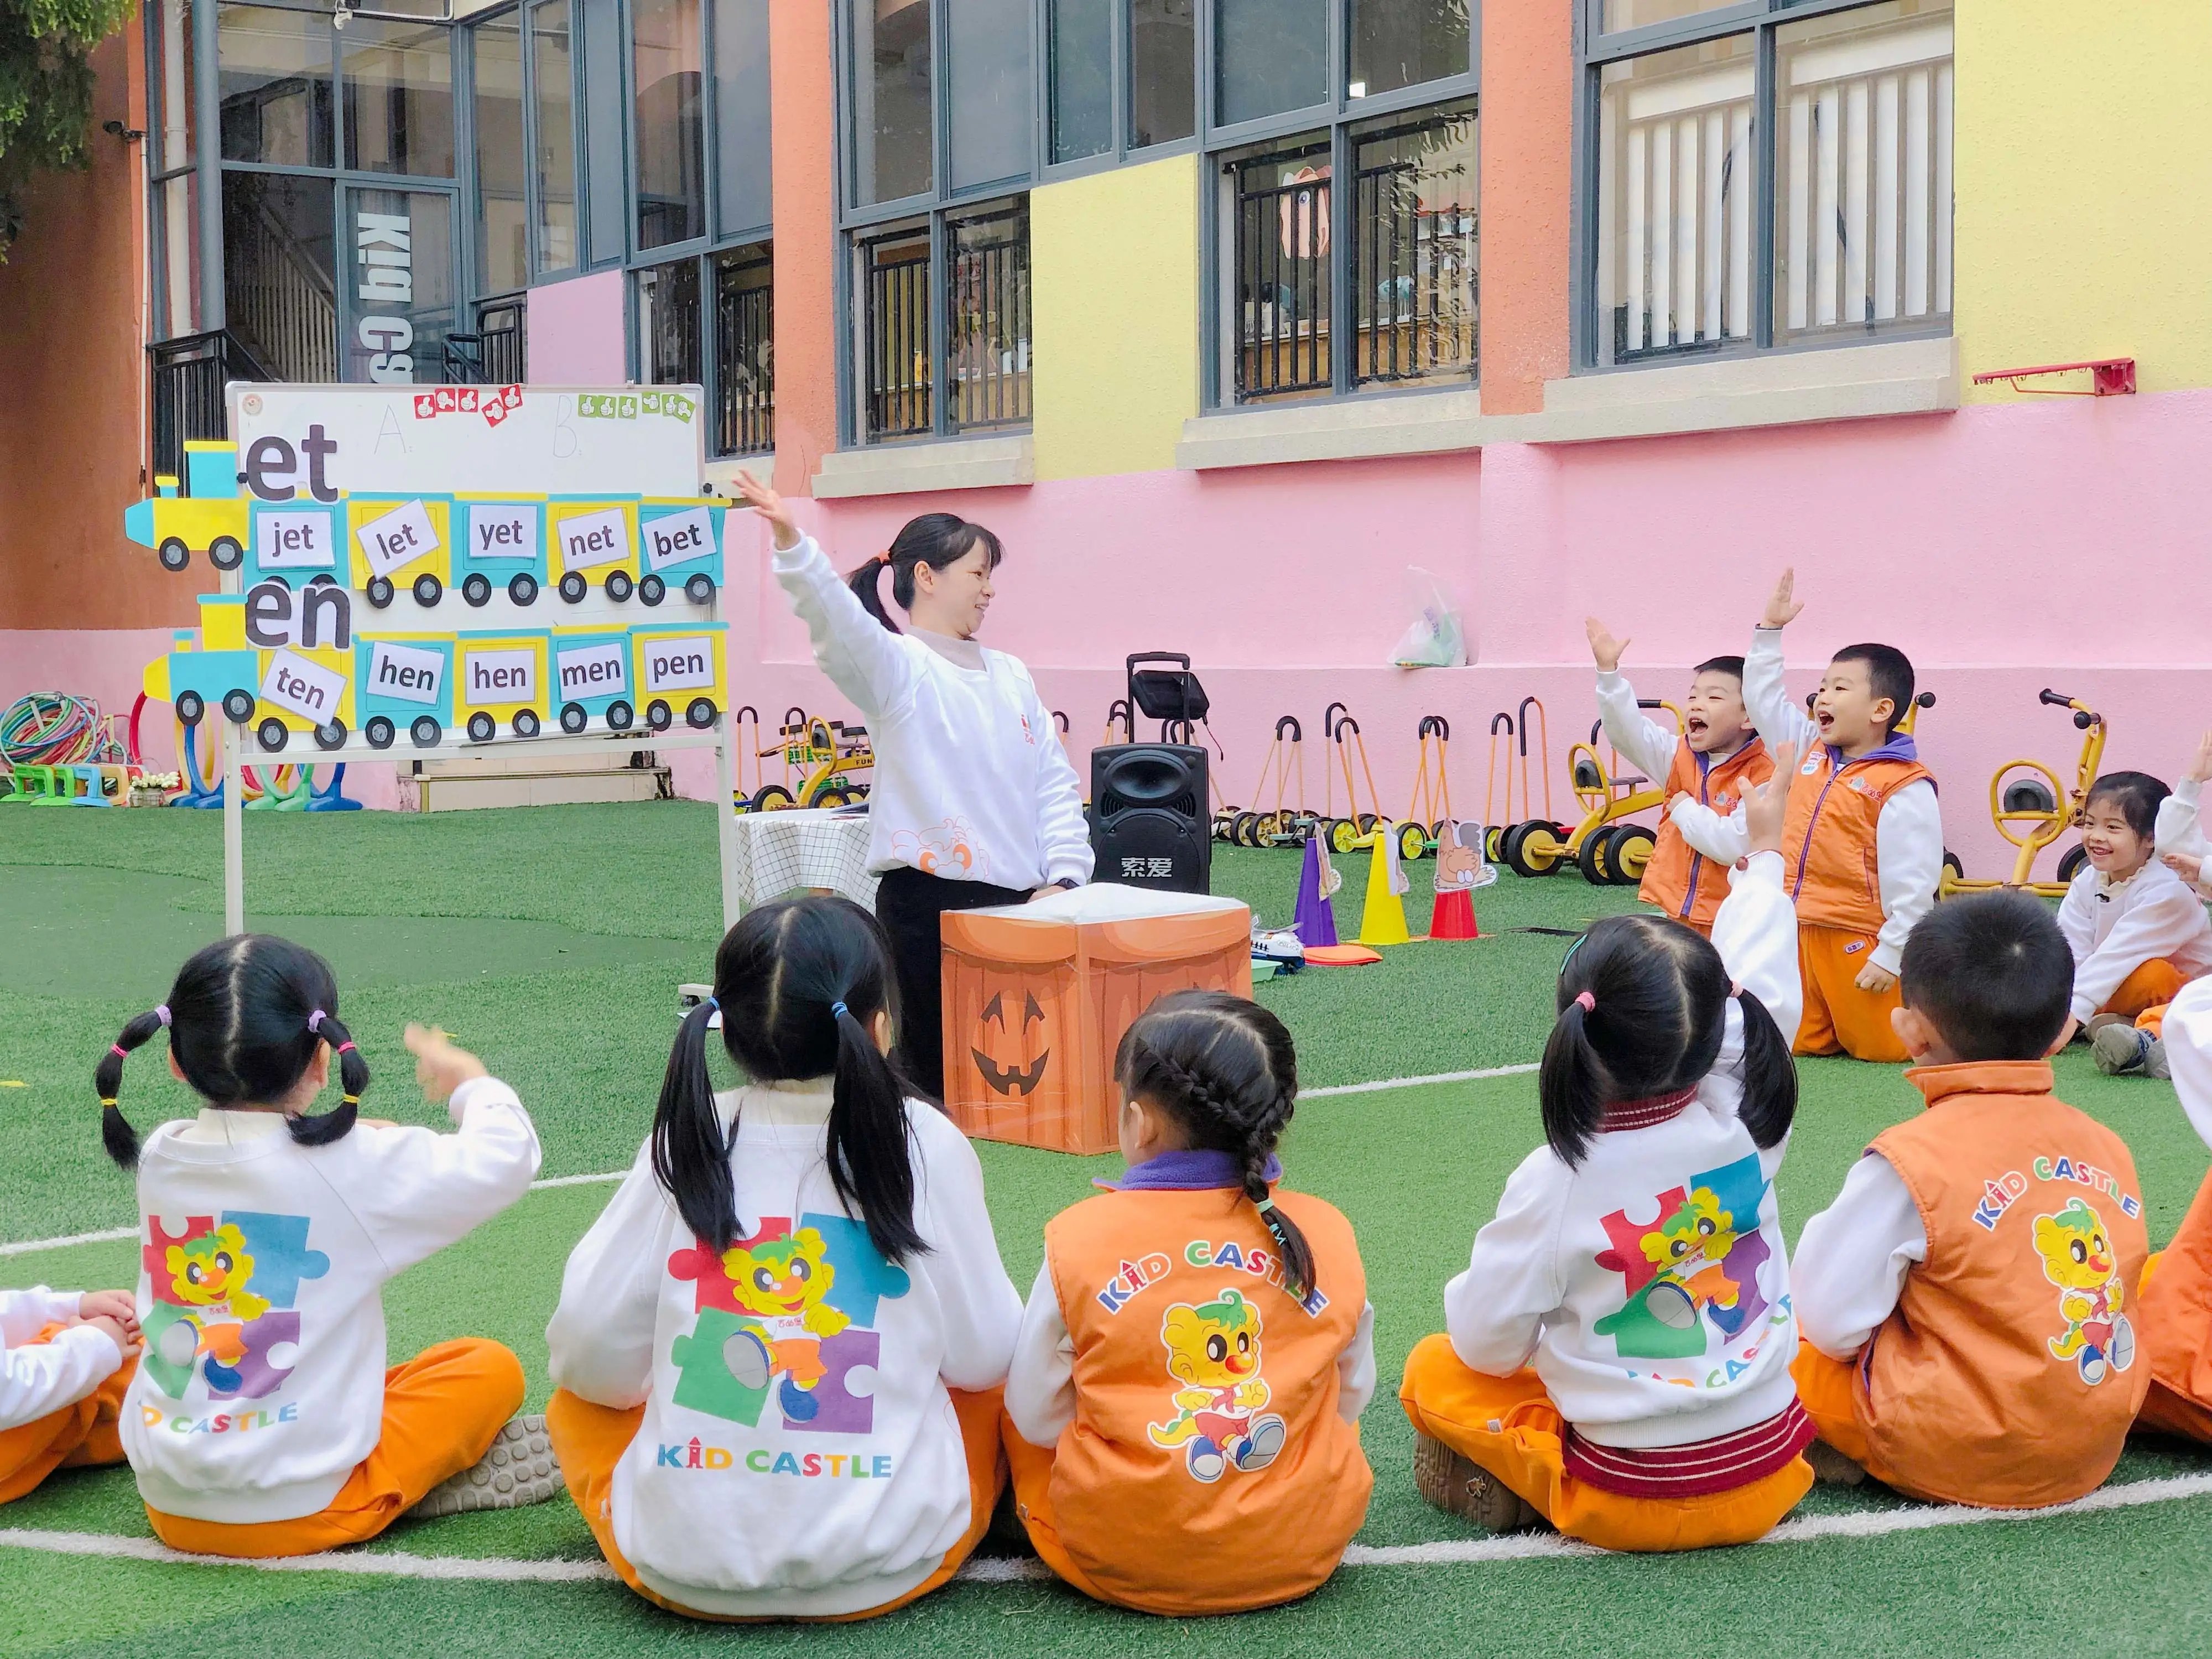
pixel 1436 639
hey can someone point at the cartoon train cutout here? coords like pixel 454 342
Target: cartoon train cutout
pixel 428 542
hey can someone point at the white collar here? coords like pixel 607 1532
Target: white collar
pixel 218 1127
pixel 802 1102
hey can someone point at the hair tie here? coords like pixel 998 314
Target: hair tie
pixel 315 1020
pixel 1264 1204
pixel 838 1010
pixel 107 1100
pixel 711 1005
pixel 1588 1002
pixel 1736 990
pixel 346 1047
pixel 351 1100
pixel 119 1051
pixel 161 1012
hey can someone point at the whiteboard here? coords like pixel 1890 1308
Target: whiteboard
pixel 527 439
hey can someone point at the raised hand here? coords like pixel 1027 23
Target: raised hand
pixel 440 1066
pixel 2200 765
pixel 1766 804
pixel 1603 647
pixel 769 505
pixel 1781 608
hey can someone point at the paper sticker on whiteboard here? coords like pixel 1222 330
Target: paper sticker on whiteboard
pixel 592 540
pixel 678 536
pixel 293 539
pixel 302 687
pixel 682 663
pixel 503 530
pixel 400 536
pixel 406 673
pixel 500 677
pixel 592 671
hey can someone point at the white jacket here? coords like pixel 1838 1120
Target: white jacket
pixel 2114 927
pixel 971 781
pixel 37 1381
pixel 1635 1355
pixel 789 1463
pixel 2179 828
pixel 260 1291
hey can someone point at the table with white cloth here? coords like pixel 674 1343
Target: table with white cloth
pixel 822 849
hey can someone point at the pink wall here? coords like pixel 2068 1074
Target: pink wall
pixel 575 332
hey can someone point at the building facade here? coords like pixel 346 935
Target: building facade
pixel 1224 314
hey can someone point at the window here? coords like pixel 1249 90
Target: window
pixel 668 325
pixel 1121 76
pixel 891 127
pixel 744 351
pixel 173 196
pixel 1327 290
pixel 553 137
pixel 279 282
pixel 502 157
pixel 991 112
pixel 741 114
pixel 399 97
pixel 667 42
pixel 273 81
pixel 928 365
pixel 1780 182
pixel 1163 89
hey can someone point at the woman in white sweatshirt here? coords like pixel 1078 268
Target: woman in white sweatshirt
pixel 780 1352
pixel 1616 1356
pixel 973 802
pixel 262 1421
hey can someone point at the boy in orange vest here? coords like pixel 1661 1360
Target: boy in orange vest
pixel 1862 847
pixel 1705 771
pixel 1966 1299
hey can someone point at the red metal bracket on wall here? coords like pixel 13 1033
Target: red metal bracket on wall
pixel 2109 377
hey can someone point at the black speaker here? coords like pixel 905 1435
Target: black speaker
pixel 1149 825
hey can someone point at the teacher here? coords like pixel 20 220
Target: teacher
pixel 974 801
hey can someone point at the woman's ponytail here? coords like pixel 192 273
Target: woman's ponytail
pixel 870 1163
pixel 866 583
pixel 1770 1076
pixel 690 1150
pixel 115 1131
pixel 1572 1084
pixel 325 1128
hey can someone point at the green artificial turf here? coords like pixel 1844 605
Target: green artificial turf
pixel 551 940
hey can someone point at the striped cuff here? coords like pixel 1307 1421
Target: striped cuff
pixel 1721 1464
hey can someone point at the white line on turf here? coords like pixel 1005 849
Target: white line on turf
pixel 1453 1553
pixel 110 1235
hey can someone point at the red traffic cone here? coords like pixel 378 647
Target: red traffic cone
pixel 1452 916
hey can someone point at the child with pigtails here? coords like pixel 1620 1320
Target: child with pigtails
pixel 1199 1346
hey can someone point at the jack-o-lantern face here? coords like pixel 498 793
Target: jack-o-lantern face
pixel 1011 1057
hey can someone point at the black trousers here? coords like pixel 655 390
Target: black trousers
pixel 909 904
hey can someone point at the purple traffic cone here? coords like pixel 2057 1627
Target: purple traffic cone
pixel 1315 923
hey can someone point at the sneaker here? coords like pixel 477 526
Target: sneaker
pixel 2121 1050
pixel 1832 1467
pixel 1459 1486
pixel 2097 1022
pixel 519 1469
pixel 2154 1059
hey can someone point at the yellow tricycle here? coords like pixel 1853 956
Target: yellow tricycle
pixel 2025 798
pixel 1608 849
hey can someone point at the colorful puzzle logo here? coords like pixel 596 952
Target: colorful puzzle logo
pixel 224 1290
pixel 790 1311
pixel 1697 1262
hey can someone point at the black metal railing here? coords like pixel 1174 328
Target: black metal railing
pixel 1281 221
pixel 669 324
pixel 278 296
pixel 744 356
pixel 1414 271
pixel 189 374
pixel 493 353
pixel 895 285
pixel 986 319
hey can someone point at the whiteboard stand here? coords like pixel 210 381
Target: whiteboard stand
pixel 720 738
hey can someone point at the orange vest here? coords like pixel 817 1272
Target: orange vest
pixel 2177 1306
pixel 2008 1375
pixel 1207 1470
pixel 1676 879
pixel 1828 837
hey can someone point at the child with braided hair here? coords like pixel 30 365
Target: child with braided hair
pixel 262 1421
pixel 1199 1346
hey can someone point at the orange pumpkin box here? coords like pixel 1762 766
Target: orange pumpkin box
pixel 1036 997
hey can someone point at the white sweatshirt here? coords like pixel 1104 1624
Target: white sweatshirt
pixel 1638 1348
pixel 2113 927
pixel 1908 835
pixel 2178 829
pixel 260 1291
pixel 971 781
pixel 1647 744
pixel 37 1381
pixel 1852 1258
pixel 2187 1034
pixel 789 1463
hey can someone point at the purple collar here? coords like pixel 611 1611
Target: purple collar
pixel 1193 1169
pixel 1897 748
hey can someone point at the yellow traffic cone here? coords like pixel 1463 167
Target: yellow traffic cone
pixel 1383 918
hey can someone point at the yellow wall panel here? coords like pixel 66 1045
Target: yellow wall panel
pixel 2084 187
pixel 1113 264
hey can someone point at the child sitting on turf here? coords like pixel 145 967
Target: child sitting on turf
pixel 2138 930
pixel 1863 845
pixel 65 1360
pixel 262 1421
pixel 779 1350
pixel 1704 772
pixel 1185 1397
pixel 2176 1310
pixel 1964 1297
pixel 1636 1258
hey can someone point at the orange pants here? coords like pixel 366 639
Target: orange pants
pixel 1031 1467
pixel 1824 1389
pixel 77 1435
pixel 1509 1425
pixel 2166 1408
pixel 2144 993
pixel 1839 1018
pixel 590 1440
pixel 442 1411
